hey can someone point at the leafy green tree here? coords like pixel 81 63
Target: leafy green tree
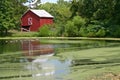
pixel 79 21
pixel 101 33
pixel 104 9
pixel 70 29
pixel 98 12
pixel 10 13
pixel 93 31
pixel 60 29
pixel 115 19
pixel 83 32
pixel 114 31
pixel 60 10
pixel 73 26
pixel 61 13
pixel 74 8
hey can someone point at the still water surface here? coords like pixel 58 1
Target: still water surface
pixel 38 60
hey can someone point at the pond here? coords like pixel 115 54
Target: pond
pixel 42 59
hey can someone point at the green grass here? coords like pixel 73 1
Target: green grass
pixel 24 34
pixel 32 35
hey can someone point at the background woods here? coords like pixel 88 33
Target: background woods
pixel 87 18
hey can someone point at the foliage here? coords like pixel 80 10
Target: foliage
pixel 83 31
pixel 101 33
pixel 105 12
pixel 115 30
pixel 44 31
pixel 92 21
pixel 79 21
pixel 10 15
pixel 60 11
pixel 93 31
pixel 70 29
pixel 60 29
pixel 89 18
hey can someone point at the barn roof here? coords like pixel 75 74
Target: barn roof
pixel 41 13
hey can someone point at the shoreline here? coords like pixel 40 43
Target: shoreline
pixel 70 38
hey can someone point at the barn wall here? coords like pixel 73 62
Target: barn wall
pixel 44 21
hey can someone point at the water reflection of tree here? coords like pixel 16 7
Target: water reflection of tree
pixel 8 51
pixel 2 45
pixel 7 46
pixel 86 44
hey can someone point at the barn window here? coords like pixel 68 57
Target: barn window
pixel 30 21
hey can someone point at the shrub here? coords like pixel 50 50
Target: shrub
pixel 101 33
pixel 70 29
pixel 44 31
pixel 79 21
pixel 60 29
pixel 83 32
pixel 92 31
pixel 114 30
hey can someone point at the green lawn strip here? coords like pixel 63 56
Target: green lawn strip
pixel 62 38
pixel 17 38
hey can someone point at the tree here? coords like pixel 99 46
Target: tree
pixel 10 12
pixel 98 12
pixel 60 10
pixel 79 22
pixel 61 13
pixel 74 8
pixel 70 29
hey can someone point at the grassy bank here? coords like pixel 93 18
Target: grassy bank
pixel 13 34
pixel 69 38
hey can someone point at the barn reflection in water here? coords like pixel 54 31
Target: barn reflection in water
pixel 38 55
pixel 34 48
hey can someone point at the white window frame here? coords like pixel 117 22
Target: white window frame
pixel 30 21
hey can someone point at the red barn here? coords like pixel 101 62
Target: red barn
pixel 32 20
